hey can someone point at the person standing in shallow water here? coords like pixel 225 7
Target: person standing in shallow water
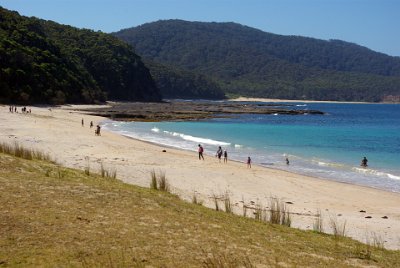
pixel 225 156
pixel 364 162
pixel 201 150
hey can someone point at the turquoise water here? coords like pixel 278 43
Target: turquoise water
pixel 327 146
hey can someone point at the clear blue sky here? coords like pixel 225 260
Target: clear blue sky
pixel 371 23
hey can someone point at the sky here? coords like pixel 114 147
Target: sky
pixel 371 23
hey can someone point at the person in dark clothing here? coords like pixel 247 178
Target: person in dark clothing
pixel 201 150
pixel 249 162
pixel 364 162
pixel 219 153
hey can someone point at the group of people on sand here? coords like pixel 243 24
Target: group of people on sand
pixel 219 153
pixel 96 131
pixel 13 109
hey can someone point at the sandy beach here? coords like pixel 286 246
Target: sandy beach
pixel 58 132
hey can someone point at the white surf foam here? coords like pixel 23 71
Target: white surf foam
pixel 197 139
pixel 369 171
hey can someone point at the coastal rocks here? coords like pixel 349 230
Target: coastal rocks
pixel 192 110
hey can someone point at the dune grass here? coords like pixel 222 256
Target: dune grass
pixel 76 220
pixel 159 182
pixel 20 151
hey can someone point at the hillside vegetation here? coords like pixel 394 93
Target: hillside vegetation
pixel 250 62
pixel 175 83
pixel 54 216
pixel 45 62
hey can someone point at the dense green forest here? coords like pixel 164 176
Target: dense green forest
pixel 246 61
pixel 45 62
pixel 177 83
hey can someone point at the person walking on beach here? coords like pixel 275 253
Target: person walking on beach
pixel 248 162
pixel 364 162
pixel 91 124
pixel 219 153
pixel 201 150
pixel 225 156
pixel 82 122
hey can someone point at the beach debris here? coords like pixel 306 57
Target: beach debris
pixel 385 217
pixel 362 211
pixel 288 202
pixel 368 217
pixel 164 151
pixel 339 215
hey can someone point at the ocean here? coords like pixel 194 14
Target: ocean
pixel 328 146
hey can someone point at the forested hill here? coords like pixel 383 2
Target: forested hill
pixel 251 62
pixel 45 62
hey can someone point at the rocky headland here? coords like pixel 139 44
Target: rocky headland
pixel 191 110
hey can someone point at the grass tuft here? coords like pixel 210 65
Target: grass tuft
pixel 279 212
pixel 108 174
pixel 227 203
pixel 87 167
pixel 159 182
pixel 195 200
pixel 318 223
pixel 216 202
pixel 260 213
pixel 162 182
pixel 153 182
pixel 338 229
pixel 20 151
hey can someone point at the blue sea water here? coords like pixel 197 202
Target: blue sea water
pixel 328 146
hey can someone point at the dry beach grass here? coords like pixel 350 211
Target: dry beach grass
pixel 80 220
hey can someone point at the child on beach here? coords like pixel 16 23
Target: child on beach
pixel 248 162
pixel 225 156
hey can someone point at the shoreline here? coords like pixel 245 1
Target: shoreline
pixel 240 99
pixel 260 165
pixel 59 133
pixel 272 167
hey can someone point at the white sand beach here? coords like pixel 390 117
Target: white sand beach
pixel 58 131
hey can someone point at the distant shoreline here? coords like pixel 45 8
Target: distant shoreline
pixel 303 101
